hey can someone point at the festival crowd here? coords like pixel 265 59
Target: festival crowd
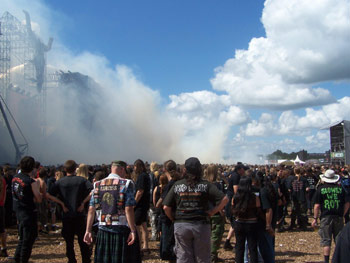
pixel 112 208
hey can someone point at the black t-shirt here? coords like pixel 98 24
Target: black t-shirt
pixel 143 183
pixel 23 197
pixel 312 180
pixel 267 203
pixel 342 251
pixel 50 183
pixel 163 216
pixel 192 202
pixel 233 180
pixel 298 188
pixel 72 190
pixel 331 198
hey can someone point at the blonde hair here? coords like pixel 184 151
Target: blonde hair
pixel 212 173
pixel 59 175
pixel 83 171
pixel 154 167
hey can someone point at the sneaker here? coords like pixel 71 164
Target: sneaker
pixel 3 253
pixel 227 245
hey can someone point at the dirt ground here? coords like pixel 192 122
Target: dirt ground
pixel 293 246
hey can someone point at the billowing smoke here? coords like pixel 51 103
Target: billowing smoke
pixel 101 113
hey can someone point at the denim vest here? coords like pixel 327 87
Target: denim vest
pixel 109 201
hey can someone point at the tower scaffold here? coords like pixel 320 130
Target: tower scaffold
pixel 23 65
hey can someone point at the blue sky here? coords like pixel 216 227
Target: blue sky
pixel 173 46
pixel 221 80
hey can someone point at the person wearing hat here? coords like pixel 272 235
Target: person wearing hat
pixel 113 198
pixel 331 201
pixel 192 197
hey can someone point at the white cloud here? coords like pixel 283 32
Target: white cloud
pixel 234 116
pixel 318 140
pixel 263 127
pixel 198 101
pixel 200 109
pixel 306 42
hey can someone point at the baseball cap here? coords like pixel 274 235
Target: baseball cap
pixel 193 166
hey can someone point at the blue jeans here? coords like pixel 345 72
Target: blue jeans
pixel 28 232
pixel 266 244
pixel 246 256
pixel 167 242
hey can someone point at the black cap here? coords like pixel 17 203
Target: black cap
pixel 193 166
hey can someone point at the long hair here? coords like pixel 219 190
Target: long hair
pixel 212 173
pixel 163 181
pixel 83 171
pixel 265 181
pixel 243 196
pixel 192 179
pixel 154 167
pixel 171 168
pixel 139 168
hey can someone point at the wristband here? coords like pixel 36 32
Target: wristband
pixel 315 218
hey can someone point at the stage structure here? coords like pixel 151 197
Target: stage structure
pixel 22 68
pixel 340 143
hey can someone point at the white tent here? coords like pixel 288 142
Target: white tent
pixel 298 161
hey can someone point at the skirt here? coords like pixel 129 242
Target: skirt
pixel 112 247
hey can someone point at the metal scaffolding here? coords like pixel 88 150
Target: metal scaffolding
pixel 23 64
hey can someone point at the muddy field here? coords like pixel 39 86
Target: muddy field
pixel 293 246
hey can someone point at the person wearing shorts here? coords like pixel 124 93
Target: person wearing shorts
pixel 330 199
pixel 142 198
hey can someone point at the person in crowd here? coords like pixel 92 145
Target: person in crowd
pixel 83 171
pixel 345 183
pixel 342 251
pixel 191 197
pixel 3 235
pixel 59 175
pixel 73 191
pixel 25 191
pixel 163 181
pixel 298 189
pixel 113 197
pixel 245 206
pixel 285 182
pixel 312 180
pixel 152 210
pixel 99 175
pixel 217 221
pixel 280 201
pixel 51 205
pixel 330 200
pixel 167 238
pixel 266 232
pixel 9 201
pixel 142 197
pixel 233 182
pixel 42 207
